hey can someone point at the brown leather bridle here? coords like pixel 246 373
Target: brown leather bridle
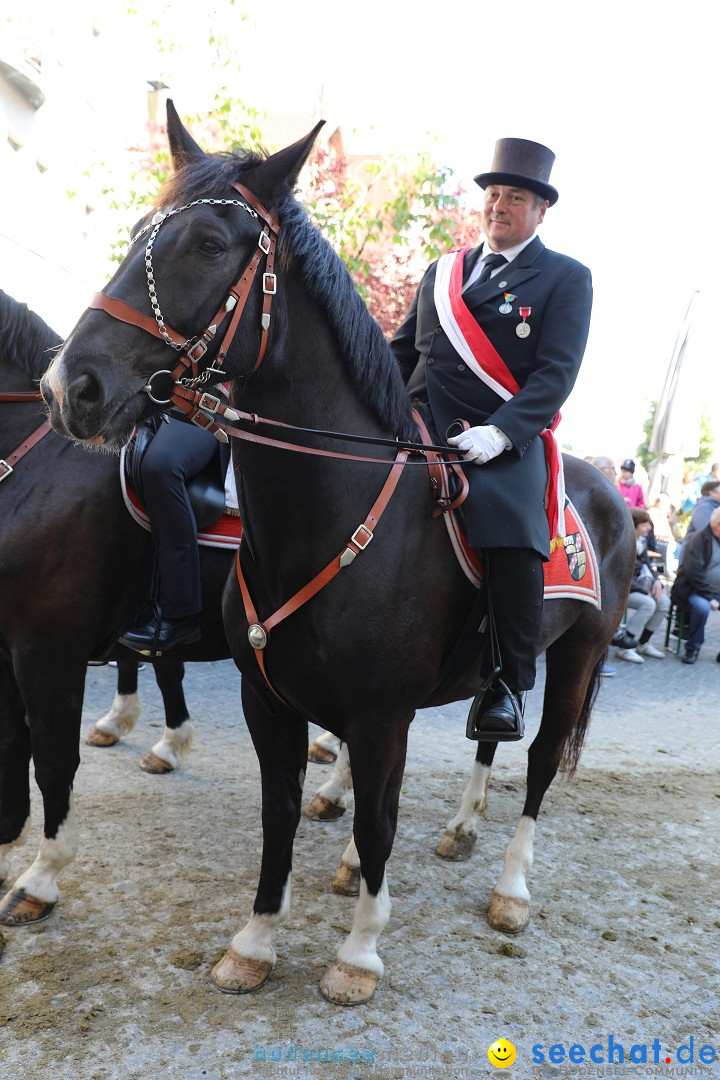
pixel 186 374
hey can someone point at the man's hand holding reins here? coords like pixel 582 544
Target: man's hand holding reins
pixel 481 444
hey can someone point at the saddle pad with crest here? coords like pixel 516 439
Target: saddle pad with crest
pixel 570 573
pixel 226 532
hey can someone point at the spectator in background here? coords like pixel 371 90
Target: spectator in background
pixel 690 492
pixel 702 511
pixel 606 465
pixel 714 473
pixel 628 486
pixel 662 538
pixel 697 586
pixel 648 603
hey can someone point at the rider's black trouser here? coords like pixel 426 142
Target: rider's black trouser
pixel 516 582
pixel 177 452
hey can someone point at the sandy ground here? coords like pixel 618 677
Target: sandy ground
pixel 623 941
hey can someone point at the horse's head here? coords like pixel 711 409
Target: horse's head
pixel 191 268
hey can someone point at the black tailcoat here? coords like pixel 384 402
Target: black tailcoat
pixel 505 507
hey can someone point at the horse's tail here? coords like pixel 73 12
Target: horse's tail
pixel 573 745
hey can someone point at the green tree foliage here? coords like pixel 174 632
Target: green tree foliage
pixel 386 220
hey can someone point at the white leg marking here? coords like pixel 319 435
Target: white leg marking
pixel 255 940
pixel 39 879
pixel 371 915
pixel 350 854
pixel 328 741
pixel 473 802
pixel 5 850
pixel 338 789
pixel 175 743
pixel 518 862
pixel 123 716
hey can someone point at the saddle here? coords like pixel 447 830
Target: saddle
pixel 206 490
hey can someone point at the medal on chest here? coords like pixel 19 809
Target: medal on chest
pixel 506 308
pixel 523 329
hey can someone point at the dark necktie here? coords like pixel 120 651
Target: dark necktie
pixel 491 263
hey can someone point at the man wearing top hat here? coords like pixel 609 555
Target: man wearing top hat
pixel 494 338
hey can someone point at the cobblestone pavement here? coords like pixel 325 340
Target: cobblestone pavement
pixel 622 945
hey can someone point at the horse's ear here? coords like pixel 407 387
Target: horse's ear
pixel 280 171
pixel 182 145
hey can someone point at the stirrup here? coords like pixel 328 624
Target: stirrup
pixel 476 713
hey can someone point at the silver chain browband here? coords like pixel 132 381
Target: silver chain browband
pixel 158 218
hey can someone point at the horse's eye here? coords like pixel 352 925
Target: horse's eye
pixel 210 246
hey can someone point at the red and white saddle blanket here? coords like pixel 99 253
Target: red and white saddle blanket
pixel 226 532
pixel 571 572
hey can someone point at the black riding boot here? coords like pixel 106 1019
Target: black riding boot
pixel 516 582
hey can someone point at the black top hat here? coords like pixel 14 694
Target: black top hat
pixel 629 465
pixel 524 164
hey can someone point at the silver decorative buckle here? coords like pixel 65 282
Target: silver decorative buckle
pixel 209 403
pixel 264 243
pixel 271 288
pixel 7 467
pixel 198 350
pixel 354 538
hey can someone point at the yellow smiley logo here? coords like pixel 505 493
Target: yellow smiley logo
pixel 501 1054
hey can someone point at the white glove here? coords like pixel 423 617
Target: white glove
pixel 481 444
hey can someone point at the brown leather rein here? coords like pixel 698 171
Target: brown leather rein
pixel 7 465
pixel 209 412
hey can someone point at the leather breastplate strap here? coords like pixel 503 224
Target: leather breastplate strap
pixel 7 465
pixel 258 631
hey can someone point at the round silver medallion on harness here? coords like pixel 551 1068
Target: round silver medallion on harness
pixel 257 636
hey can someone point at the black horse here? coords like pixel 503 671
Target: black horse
pixel 369 648
pixel 69 557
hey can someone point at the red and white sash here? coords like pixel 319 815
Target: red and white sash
pixel 473 345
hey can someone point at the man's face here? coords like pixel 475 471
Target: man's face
pixel 510 215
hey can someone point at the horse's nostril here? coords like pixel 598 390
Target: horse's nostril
pixel 85 390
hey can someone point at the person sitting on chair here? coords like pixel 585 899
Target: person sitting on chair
pixel 178 451
pixel 648 603
pixel 525 314
pixel 697 585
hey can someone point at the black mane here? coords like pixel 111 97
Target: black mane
pixel 27 340
pixel 370 360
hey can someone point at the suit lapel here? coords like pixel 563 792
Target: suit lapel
pixel 515 273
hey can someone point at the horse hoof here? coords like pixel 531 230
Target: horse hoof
pixel 345 985
pixel 238 974
pixel 346 880
pixel 321 809
pixel 319 755
pixel 151 763
pixel 96 737
pixel 457 847
pixel 507 914
pixel 18 908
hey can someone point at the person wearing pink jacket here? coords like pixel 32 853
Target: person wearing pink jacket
pixel 628 486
